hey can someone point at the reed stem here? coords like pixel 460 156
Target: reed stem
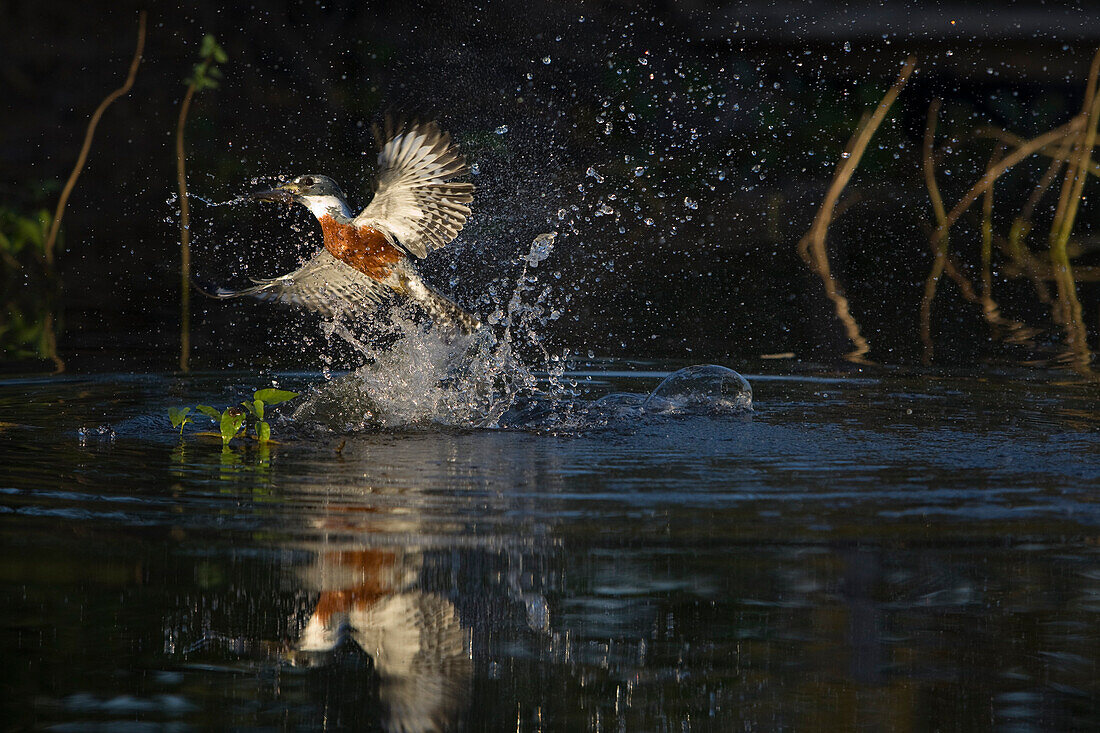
pixel 940 248
pixel 82 158
pixel 185 218
pixel 812 245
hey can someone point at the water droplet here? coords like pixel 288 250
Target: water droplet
pixel 540 248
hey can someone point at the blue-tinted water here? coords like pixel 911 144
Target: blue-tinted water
pixel 879 551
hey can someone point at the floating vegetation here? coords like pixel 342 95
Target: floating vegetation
pixel 231 420
pixel 204 76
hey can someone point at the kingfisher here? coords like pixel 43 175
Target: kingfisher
pixel 368 257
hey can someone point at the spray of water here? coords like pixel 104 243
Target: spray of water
pixel 421 376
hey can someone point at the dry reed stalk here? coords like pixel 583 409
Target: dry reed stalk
pixel 812 245
pixel 943 262
pixel 82 158
pixel 989 306
pixel 940 248
pixel 1078 160
pixel 185 217
pixel 1068 307
pixel 1056 157
pixel 1024 151
pixel 1016 331
pixel 1016 245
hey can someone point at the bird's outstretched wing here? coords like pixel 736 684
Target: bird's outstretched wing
pixel 324 284
pixel 414 202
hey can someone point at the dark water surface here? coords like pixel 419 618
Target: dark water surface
pixel 880 552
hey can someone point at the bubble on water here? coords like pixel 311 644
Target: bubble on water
pixel 502 129
pixel 704 388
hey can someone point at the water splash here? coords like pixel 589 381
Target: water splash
pixel 419 376
pixel 416 376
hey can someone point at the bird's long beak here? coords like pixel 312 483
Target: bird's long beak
pixel 283 194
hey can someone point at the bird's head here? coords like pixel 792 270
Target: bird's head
pixel 320 194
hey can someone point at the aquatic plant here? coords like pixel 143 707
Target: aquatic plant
pixel 179 417
pixel 255 408
pixel 204 76
pixel 27 323
pixel 231 420
pixel 82 158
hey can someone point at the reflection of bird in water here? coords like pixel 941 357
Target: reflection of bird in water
pixel 416 208
pixel 420 651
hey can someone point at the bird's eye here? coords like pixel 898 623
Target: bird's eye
pixel 306 181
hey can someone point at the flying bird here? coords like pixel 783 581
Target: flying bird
pixel 368 257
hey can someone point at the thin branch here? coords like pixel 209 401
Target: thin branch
pixel 81 159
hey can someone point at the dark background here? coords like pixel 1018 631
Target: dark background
pixel 679 149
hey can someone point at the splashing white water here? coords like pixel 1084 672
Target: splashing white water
pixel 422 377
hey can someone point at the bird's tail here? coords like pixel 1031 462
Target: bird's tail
pixel 442 309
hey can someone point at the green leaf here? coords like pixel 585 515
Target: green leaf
pixel 272 396
pixel 251 409
pixel 209 46
pixel 264 432
pixel 259 409
pixel 178 415
pixel 230 425
pixel 209 411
